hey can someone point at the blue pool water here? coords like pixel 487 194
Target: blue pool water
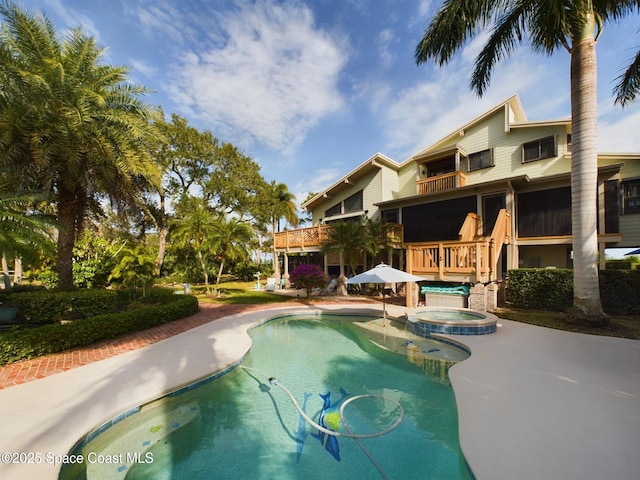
pixel 241 425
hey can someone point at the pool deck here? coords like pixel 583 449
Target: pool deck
pixel 533 403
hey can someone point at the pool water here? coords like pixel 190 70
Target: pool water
pixel 241 425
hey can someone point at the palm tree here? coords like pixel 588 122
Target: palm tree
pixel 68 123
pixel 347 239
pixel 24 232
pixel 193 228
pixel 378 238
pixel 549 25
pixel 230 241
pixel 282 205
pixel 135 267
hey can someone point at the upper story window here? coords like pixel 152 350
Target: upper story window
pixel 631 196
pixel 481 159
pixel 539 149
pixel 335 210
pixel 353 203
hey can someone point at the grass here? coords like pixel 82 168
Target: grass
pixel 624 326
pixel 244 293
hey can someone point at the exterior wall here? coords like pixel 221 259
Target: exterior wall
pixel 630 223
pixel 378 185
pixel 507 151
pixel 407 180
pixel 630 228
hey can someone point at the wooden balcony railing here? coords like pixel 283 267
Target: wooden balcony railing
pixel 301 238
pixel 441 183
pixel 464 260
pixel 311 238
pixel 446 260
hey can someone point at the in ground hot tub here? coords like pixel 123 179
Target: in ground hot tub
pixel 453 321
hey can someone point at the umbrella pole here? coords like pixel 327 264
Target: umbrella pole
pixel 384 310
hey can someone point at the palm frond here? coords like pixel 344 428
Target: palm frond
pixel 628 87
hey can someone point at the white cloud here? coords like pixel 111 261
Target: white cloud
pixel 384 42
pixel 72 18
pixel 425 112
pixel 161 16
pixel 321 179
pixel 271 79
pixel 620 133
pixel 144 68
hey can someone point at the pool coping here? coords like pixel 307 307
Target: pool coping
pixel 563 406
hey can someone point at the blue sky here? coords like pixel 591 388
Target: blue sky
pixel 311 89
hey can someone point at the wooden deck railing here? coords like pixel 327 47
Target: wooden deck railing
pixel 311 238
pixel 302 238
pixel 441 183
pixel 463 260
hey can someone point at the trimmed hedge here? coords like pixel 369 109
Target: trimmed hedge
pixel 48 339
pixel 44 307
pixel 620 291
pixel 552 289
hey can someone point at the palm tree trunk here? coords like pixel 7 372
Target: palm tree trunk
pixel 67 216
pixel 204 270
pixel 584 176
pixel 162 248
pixel 163 232
pixel 219 277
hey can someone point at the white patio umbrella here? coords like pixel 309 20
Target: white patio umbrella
pixel 384 274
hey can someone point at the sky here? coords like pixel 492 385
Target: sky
pixel 311 89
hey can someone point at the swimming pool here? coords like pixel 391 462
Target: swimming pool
pixel 242 425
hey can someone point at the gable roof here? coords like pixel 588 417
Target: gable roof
pixel 513 113
pixel 374 162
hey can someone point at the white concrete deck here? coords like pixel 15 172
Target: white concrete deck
pixel 533 403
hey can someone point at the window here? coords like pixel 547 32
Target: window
pixel 353 203
pixel 335 210
pixel 481 159
pixel 544 213
pixel 539 149
pixel 631 196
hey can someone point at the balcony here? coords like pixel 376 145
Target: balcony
pixel 470 259
pixel 441 183
pixel 301 239
pixel 310 239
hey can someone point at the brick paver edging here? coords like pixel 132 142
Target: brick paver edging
pixel 30 370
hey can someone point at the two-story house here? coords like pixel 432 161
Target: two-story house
pixel 492 195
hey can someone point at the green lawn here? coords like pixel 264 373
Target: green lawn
pixel 625 326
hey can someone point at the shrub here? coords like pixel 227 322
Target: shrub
pixel 308 277
pixel 48 339
pixel 619 291
pixel 542 289
pixel 618 264
pixel 43 307
pixel 552 289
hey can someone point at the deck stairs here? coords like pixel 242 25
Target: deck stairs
pixel 472 258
